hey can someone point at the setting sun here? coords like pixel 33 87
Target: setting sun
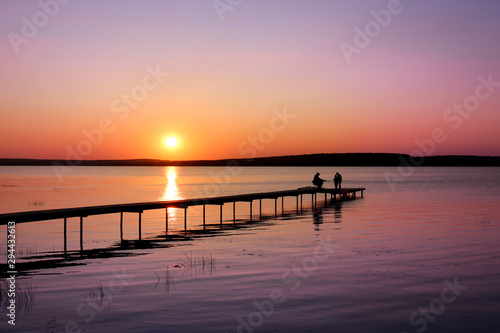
pixel 171 142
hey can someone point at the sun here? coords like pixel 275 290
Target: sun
pixel 171 142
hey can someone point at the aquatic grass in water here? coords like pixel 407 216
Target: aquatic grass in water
pixel 169 280
pixel 25 297
pixel 21 252
pixel 36 203
pixel 199 263
pixel 483 222
pixel 97 296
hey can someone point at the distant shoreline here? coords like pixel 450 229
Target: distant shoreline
pixel 334 159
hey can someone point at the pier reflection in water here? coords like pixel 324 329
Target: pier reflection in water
pixel 34 263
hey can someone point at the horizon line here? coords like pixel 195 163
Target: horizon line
pixel 239 158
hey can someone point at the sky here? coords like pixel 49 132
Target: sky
pixel 90 79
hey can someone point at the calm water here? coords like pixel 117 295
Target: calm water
pixel 425 257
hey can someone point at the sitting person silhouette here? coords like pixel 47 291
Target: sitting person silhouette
pixel 318 181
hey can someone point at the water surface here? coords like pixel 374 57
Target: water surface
pixel 383 263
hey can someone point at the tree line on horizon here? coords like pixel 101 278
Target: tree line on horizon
pixel 325 159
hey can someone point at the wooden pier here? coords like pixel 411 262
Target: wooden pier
pixel 139 208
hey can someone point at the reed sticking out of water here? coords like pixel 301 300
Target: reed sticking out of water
pixel 24 296
pixel 484 222
pixel 169 280
pixel 36 203
pixel 21 252
pixel 199 263
pixel 97 296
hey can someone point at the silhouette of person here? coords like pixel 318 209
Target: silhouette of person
pixel 337 180
pixel 318 181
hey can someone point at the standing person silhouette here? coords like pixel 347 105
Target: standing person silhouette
pixel 337 180
pixel 318 181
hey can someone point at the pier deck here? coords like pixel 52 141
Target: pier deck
pixel 52 214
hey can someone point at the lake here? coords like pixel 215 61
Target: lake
pixel 420 254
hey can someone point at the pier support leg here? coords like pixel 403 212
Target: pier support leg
pixel 140 226
pixel 121 226
pixel 251 213
pixel 203 217
pixel 221 216
pixel 297 204
pixel 260 209
pixel 81 233
pixel 185 219
pixel 166 220
pixel 326 200
pixel 301 203
pixel 65 236
pixel 275 207
pixel 361 193
pixel 282 205
pixel 234 213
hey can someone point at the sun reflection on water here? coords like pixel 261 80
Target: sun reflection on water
pixel 171 190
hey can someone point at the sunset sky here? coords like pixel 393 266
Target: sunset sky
pixel 244 78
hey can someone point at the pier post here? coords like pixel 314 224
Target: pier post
pixel 221 216
pixel 121 226
pixel 282 205
pixel 260 209
pixel 301 202
pixel 234 213
pixel 361 193
pixel 326 201
pixel 166 220
pixel 251 202
pixel 297 204
pixel 275 207
pixel 203 216
pixel 185 219
pixel 81 233
pixel 140 225
pixel 65 239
